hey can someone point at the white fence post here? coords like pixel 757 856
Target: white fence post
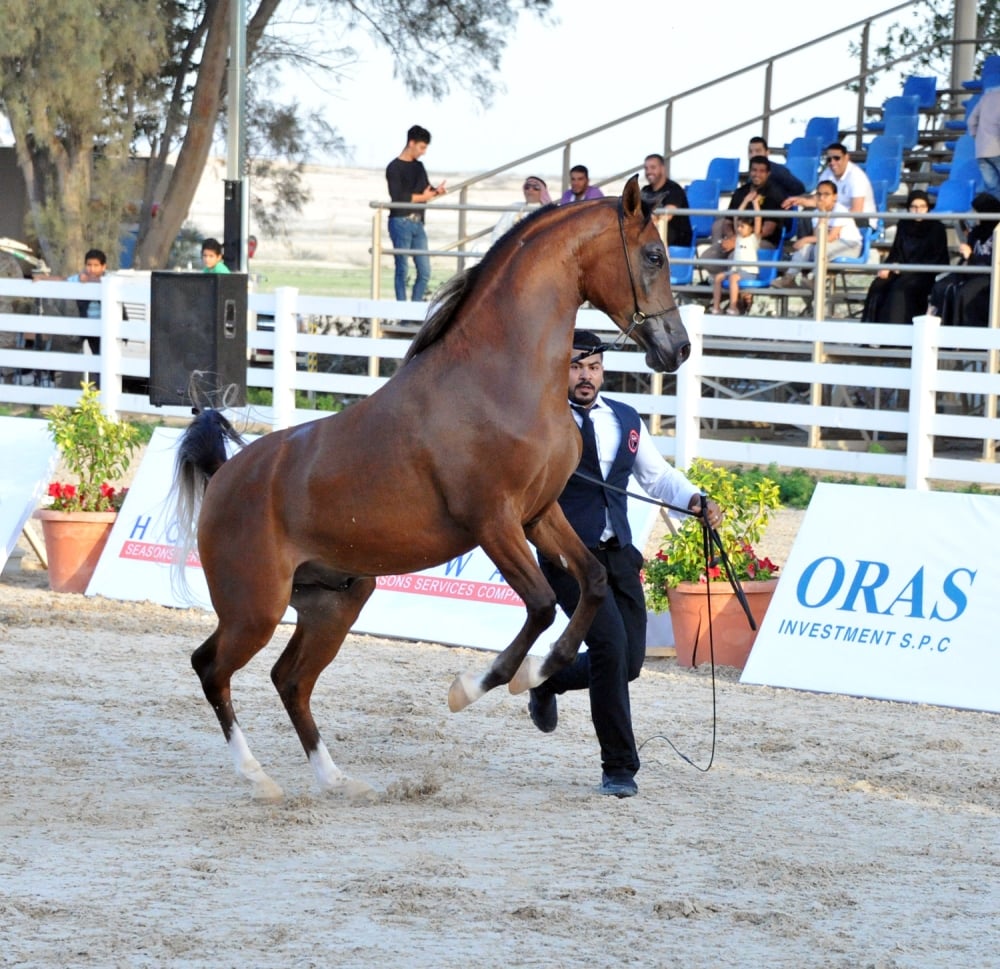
pixel 923 398
pixel 688 422
pixel 285 329
pixel 110 368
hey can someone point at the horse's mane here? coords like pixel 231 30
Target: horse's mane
pixel 450 298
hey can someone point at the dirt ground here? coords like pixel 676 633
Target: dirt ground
pixel 830 831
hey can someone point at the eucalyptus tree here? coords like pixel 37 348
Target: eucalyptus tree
pixel 115 105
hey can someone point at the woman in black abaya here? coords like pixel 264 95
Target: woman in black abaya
pixel 896 296
pixel 963 299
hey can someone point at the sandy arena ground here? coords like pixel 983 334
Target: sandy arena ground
pixel 830 831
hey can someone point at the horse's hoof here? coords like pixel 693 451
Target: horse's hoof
pixel 264 789
pixel 466 689
pixel 527 677
pixel 352 790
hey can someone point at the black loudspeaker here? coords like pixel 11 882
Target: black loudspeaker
pixel 198 339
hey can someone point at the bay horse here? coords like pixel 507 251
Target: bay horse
pixel 469 443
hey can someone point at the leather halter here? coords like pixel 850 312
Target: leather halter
pixel 638 317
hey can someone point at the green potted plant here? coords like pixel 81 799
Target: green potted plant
pixel 96 450
pixel 677 577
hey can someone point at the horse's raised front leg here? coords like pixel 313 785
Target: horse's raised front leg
pixel 325 617
pixel 556 539
pixel 514 558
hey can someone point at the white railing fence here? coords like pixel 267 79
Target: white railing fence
pixel 915 403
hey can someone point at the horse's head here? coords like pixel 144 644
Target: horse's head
pixel 631 283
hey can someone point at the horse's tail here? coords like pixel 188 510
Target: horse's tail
pixel 200 453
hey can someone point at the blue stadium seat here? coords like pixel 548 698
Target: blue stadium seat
pixel 924 89
pixel 965 171
pixel 826 129
pixel 963 149
pixel 955 195
pixel 726 171
pixel 681 275
pixel 766 270
pixel 805 168
pixel 885 160
pixel 703 193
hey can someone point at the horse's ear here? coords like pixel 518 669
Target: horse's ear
pixel 631 197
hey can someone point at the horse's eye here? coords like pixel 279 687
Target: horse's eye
pixel 655 257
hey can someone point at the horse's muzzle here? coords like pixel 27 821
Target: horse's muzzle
pixel 666 341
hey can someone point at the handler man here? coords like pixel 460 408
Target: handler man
pixel 615 444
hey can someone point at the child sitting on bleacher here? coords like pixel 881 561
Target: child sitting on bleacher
pixel 744 266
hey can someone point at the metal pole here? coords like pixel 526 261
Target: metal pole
pixel 963 54
pixel 237 189
pixel 766 125
pixel 862 86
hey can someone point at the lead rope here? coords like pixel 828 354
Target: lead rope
pixel 710 539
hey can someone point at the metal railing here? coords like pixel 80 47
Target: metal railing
pixel 760 75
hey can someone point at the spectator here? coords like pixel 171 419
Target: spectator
pixel 898 295
pixel 744 265
pixel 963 299
pixel 661 193
pixel 843 235
pixel 408 182
pixel 211 257
pixel 536 194
pixel 781 176
pixel 854 191
pixel 580 188
pixel 984 123
pixel 757 192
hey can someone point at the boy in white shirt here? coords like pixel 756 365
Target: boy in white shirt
pixel 843 236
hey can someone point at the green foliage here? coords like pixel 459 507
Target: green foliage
pixel 89 88
pixel 94 447
pixel 923 36
pixel 746 501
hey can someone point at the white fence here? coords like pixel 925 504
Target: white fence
pixel 916 403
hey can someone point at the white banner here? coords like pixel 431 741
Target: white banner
pixel 30 459
pixel 890 594
pixel 463 602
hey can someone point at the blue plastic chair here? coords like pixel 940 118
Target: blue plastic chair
pixel 726 171
pixel 988 75
pixel 885 160
pixel 826 129
pixel 703 193
pixel 805 168
pixel 966 171
pixel 862 257
pixel 681 275
pixel 924 89
pixel 956 124
pixel 963 150
pixel 955 195
pixel 880 192
pixel 766 271
pixel 813 145
pixel 900 116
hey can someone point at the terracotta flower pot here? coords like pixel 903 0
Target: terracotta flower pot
pixel 74 541
pixel 732 634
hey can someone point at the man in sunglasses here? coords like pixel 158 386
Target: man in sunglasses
pixel 854 191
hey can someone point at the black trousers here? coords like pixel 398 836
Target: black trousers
pixel 616 649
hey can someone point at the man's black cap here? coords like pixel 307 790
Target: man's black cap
pixel 586 340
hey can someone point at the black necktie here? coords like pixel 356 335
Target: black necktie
pixel 590 459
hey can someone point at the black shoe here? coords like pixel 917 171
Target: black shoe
pixel 620 786
pixel 543 710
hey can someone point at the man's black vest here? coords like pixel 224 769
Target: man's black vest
pixel 585 504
